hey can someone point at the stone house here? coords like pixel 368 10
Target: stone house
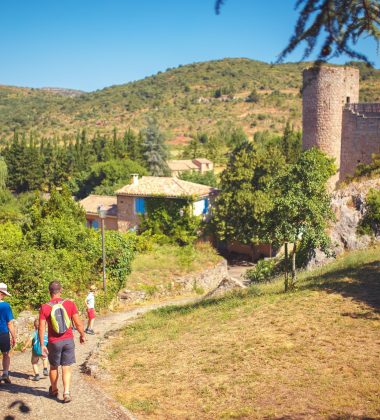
pixel 201 165
pixel 124 211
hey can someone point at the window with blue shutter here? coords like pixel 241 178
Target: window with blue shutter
pixel 139 206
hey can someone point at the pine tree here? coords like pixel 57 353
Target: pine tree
pixel 3 173
pixel 154 150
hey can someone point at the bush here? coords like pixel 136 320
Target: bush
pixel 370 223
pixel 164 219
pixel 262 272
pixel 55 244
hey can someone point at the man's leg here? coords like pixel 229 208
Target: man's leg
pixel 6 362
pixel 54 378
pixel 66 378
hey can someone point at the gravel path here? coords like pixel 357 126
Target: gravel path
pixel 25 399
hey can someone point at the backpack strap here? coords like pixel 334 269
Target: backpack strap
pixel 56 303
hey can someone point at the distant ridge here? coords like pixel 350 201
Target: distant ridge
pixel 206 97
pixel 62 91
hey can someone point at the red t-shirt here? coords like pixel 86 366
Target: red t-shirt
pixel 45 312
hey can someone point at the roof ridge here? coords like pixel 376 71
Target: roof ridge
pixel 177 179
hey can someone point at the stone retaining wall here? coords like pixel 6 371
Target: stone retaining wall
pixel 206 280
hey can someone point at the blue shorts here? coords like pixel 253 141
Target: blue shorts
pixel 5 342
pixel 62 353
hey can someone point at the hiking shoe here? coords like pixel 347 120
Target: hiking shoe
pixel 91 332
pixel 46 373
pixel 36 378
pixel 5 379
pixel 66 398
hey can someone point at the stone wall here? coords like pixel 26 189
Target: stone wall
pixel 127 218
pixel 207 279
pixel 360 136
pixel 325 92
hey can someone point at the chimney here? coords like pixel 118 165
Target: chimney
pixel 135 179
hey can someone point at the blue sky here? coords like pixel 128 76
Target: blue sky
pixel 90 44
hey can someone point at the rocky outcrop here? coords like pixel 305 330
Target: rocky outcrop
pixel 228 284
pixel 207 279
pixel 348 204
pixel 24 325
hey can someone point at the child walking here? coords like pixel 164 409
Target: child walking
pixel 90 303
pixel 37 352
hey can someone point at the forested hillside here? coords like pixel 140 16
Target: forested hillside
pixel 200 97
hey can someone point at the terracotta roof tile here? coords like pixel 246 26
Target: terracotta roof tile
pixel 91 203
pixel 153 186
pixel 182 165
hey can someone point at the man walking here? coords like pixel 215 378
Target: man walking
pixel 6 328
pixel 58 314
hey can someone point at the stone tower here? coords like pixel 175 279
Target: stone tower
pixel 326 91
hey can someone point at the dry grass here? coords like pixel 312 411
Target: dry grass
pixel 313 353
pixel 157 269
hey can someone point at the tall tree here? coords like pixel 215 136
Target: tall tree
pixel 246 197
pixel 155 152
pixel 302 210
pixel 3 173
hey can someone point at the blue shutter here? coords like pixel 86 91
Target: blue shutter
pixel 206 204
pixel 139 205
pixel 95 224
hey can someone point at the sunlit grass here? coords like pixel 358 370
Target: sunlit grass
pixel 311 353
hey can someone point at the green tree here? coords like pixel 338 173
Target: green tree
pixel 301 212
pixel 291 143
pixel 3 173
pixel 246 197
pixel 370 224
pixel 207 178
pixel 107 177
pixel 154 149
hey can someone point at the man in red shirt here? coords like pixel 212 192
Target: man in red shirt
pixel 61 347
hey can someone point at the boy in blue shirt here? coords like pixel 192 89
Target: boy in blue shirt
pixel 6 328
pixel 34 340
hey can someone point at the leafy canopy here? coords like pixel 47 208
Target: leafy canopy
pixel 246 197
pixel 336 25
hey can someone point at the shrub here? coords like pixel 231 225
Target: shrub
pixel 370 223
pixel 262 272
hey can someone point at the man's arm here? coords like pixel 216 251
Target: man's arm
pixel 12 330
pixel 41 335
pixel 79 326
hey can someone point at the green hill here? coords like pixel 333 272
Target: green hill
pixel 202 96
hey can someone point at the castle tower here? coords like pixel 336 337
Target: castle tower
pixel 326 90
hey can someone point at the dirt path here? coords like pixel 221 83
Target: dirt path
pixel 25 399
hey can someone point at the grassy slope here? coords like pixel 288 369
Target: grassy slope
pixel 313 353
pixel 156 270
pixel 175 98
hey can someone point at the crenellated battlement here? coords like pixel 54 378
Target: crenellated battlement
pixel 366 109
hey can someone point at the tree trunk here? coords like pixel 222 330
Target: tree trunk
pixel 286 267
pixel 294 271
